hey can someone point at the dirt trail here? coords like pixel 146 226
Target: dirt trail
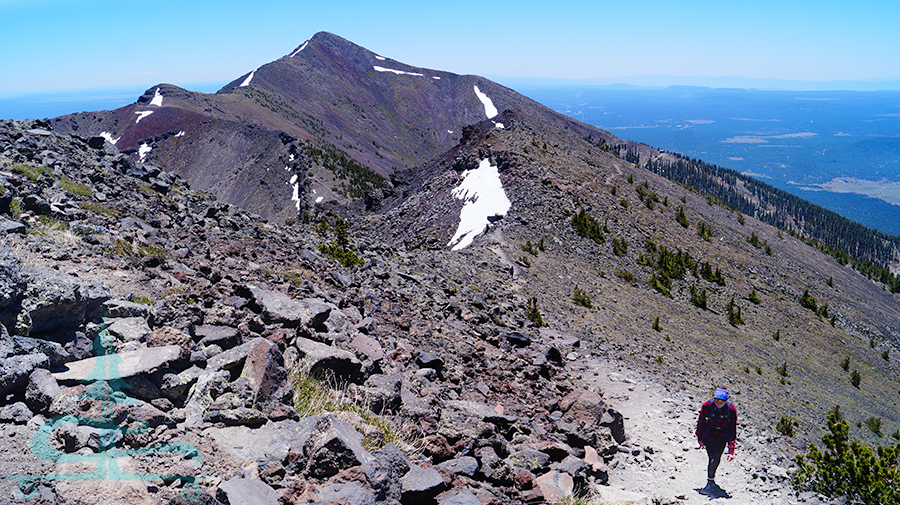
pixel 661 461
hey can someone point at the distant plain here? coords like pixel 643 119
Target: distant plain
pixel 838 149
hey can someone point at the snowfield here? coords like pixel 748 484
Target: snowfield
pixel 489 108
pixel 484 198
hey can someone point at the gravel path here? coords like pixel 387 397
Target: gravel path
pixel 661 461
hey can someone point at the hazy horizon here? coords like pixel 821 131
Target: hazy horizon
pixel 88 44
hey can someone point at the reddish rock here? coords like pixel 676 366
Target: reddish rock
pixel 161 337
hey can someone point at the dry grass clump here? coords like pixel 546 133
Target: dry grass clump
pixel 314 396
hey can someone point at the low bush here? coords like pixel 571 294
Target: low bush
pixel 581 298
pixel 856 471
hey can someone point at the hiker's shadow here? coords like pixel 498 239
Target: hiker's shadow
pixel 714 493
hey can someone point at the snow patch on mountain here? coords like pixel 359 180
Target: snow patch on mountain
pixel 295 53
pixel 398 72
pixel 143 151
pixel 482 192
pixel 249 78
pixel 141 114
pixel 296 195
pixel 379 58
pixel 108 136
pixel 179 134
pixel 157 99
pixel 489 108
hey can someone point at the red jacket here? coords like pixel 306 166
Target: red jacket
pixel 717 424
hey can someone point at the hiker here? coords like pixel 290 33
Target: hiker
pixel 716 428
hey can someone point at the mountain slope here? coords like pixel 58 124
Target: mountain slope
pixel 330 106
pixel 366 112
pixel 781 359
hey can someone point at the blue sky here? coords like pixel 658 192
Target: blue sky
pixel 55 45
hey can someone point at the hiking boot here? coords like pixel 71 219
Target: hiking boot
pixel 710 488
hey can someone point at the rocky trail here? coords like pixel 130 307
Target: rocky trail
pixel 661 461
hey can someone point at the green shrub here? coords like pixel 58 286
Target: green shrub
pixel 625 275
pixel 682 218
pixel 533 314
pixel 661 284
pixel 656 325
pixel 619 247
pixel 529 248
pixel 587 226
pixel 753 297
pixel 786 425
pixel 581 298
pixel 346 257
pixel 704 231
pixel 855 378
pixel 808 301
pixel 782 370
pixel 885 355
pixel 698 297
pixel 845 363
pixel 851 469
pixel 734 314
pixel 754 241
pixel 777 335
pixel 874 425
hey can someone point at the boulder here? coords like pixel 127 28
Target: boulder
pixel 41 389
pixel 466 465
pixel 16 413
pixel 368 347
pixel 260 364
pixel 334 446
pixel 14 371
pixel 241 491
pixel 10 226
pixel 166 335
pixel 118 365
pixel 461 497
pixel 129 329
pixel 17 345
pixel 555 485
pixel 349 493
pixel 200 396
pixel 381 392
pixel 421 486
pixel 278 308
pixel 53 300
pixel 529 459
pixel 328 363
pixel 122 308
pixel 225 337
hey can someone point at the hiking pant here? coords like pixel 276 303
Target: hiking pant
pixel 714 450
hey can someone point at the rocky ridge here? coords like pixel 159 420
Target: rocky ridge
pixel 208 312
pixel 150 329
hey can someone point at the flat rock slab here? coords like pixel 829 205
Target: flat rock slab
pixel 239 491
pixel 119 365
